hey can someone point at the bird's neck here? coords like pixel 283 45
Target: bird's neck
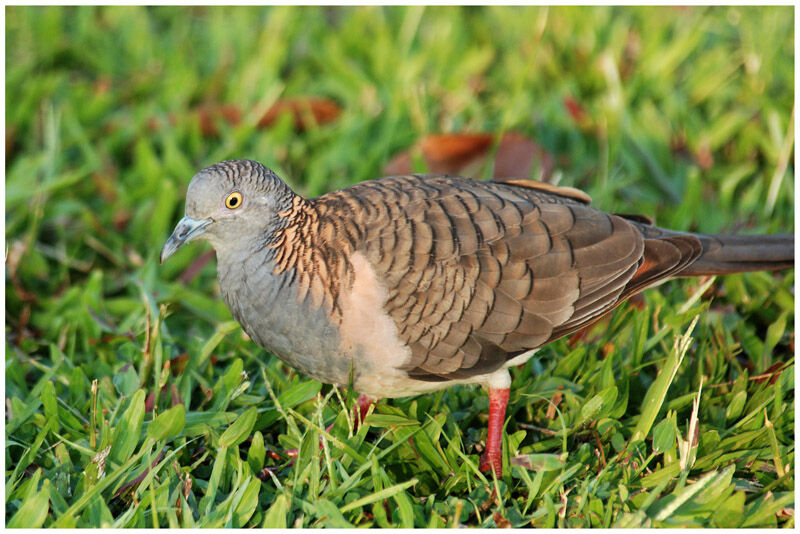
pixel 285 289
pixel 306 249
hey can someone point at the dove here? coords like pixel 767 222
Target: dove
pixel 405 285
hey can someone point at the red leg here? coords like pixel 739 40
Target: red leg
pixel 492 457
pixel 360 411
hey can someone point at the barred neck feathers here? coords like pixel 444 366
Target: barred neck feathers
pixel 308 249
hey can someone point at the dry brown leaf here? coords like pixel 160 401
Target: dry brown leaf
pixel 121 218
pixel 450 152
pixel 149 402
pixel 637 301
pixel 305 110
pixel 11 141
pixel 575 110
pixel 554 402
pixel 13 258
pixel 703 156
pixel 501 521
pixel 209 116
pixel 178 363
pixel 175 395
pixel 515 157
pixel 772 373
pixel 466 153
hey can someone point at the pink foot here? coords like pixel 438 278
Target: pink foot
pixel 492 457
pixel 363 402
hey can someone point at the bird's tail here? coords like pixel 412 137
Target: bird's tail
pixel 728 254
pixel 669 253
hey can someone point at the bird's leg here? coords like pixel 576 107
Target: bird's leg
pixel 363 402
pixel 492 457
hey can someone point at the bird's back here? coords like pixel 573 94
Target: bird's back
pixel 478 272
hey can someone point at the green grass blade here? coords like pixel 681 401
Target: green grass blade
pixel 654 398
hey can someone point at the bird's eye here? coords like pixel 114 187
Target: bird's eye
pixel 233 201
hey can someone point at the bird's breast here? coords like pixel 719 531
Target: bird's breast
pixel 281 318
pixel 369 336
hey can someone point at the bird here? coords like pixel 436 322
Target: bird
pixel 406 285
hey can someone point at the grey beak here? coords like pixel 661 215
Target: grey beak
pixel 186 230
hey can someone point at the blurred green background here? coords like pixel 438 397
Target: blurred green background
pixel 685 114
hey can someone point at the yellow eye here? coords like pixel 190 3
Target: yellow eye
pixel 234 200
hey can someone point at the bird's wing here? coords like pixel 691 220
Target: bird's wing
pixel 477 272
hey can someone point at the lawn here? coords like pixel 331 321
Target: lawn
pixel 134 400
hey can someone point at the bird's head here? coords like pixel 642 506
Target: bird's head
pixel 227 202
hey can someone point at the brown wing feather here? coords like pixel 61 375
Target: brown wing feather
pixel 477 272
pixel 568 192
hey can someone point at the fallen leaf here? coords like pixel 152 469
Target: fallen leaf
pixel 175 395
pixel 772 373
pixel 562 511
pixel 516 155
pixel 703 156
pixel 501 521
pixel 554 402
pixel 13 257
pixel 583 333
pixel 153 124
pixel 121 218
pixel 11 141
pixel 575 110
pixel 578 336
pixel 466 154
pixel 210 115
pixel 149 402
pixel 178 363
pixel 637 301
pixel 450 152
pixel 187 486
pixel 305 110
pixel 490 500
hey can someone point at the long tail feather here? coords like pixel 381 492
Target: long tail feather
pixel 727 254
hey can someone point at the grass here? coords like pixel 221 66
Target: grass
pixel 133 399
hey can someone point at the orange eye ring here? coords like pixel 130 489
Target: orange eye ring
pixel 233 201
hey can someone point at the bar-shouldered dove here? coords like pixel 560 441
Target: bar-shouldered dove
pixel 409 284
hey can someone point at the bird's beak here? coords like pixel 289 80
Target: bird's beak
pixel 186 230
